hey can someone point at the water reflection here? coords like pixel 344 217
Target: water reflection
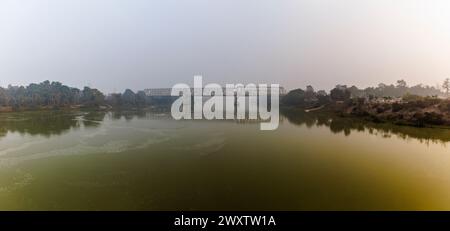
pixel 50 123
pixel 345 125
pixel 37 123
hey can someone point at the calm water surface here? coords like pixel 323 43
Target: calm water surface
pixel 146 161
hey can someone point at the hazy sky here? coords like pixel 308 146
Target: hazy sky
pixel 118 44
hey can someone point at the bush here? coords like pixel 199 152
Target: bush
pixel 410 97
pixel 396 107
pixel 294 98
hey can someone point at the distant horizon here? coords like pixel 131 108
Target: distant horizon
pixel 287 88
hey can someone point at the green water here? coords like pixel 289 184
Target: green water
pixel 146 161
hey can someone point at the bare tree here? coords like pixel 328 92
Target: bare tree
pixel 446 86
pixel 401 83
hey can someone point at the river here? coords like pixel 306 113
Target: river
pixel 61 160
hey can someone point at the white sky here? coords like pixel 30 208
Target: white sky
pixel 118 44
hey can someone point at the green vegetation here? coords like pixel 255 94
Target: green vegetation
pixel 53 95
pixel 47 95
pixel 128 99
pixel 306 99
pixel 418 105
pixel 398 90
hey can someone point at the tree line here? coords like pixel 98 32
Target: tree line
pixel 48 94
pixel 399 90
pixel 55 94
pixel 311 98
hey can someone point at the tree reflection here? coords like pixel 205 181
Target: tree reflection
pixel 346 125
pixel 47 123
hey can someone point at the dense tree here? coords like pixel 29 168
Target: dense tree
pixel 129 98
pixel 48 94
pixel 340 93
pixel 401 89
pixel 114 99
pixel 142 99
pixel 92 97
pixel 307 99
pixel 294 98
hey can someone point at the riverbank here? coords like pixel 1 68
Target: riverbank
pixel 424 112
pixel 6 109
pixel 102 108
